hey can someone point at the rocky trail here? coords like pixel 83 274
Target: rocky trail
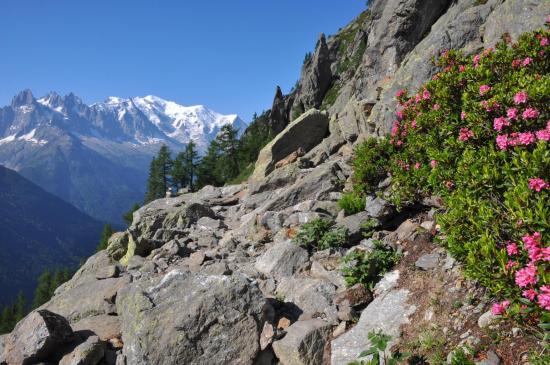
pixel 216 277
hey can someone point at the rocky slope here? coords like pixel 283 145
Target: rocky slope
pixel 215 277
pixel 96 157
pixel 38 231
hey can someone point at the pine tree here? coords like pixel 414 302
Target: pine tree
pixel 43 289
pixel 190 163
pixel 129 215
pixel 207 173
pixel 20 307
pixel 106 233
pixel 229 147
pixel 159 175
pixel 7 319
pixel 179 175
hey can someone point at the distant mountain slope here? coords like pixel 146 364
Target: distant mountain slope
pixel 37 231
pixel 97 157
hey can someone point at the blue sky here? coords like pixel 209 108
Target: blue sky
pixel 228 55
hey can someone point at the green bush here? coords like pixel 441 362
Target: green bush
pixel 379 344
pixel 371 163
pixel 477 135
pixel 368 267
pixel 321 234
pixel 352 203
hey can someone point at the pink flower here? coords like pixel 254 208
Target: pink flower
pixel 436 107
pixel 520 98
pixel 512 113
pixel 433 164
pixel 417 165
pixel 512 249
pixel 426 95
pixel 399 114
pixel 476 60
pixel 462 115
pixel 544 301
pixel 545 253
pixel 543 135
pixel 418 98
pixel 400 93
pixel 510 264
pixel 502 141
pixel 527 61
pixel 465 134
pixel 500 123
pixel 530 294
pixel 399 143
pixel 516 63
pixel 499 308
pixel 526 138
pixel 526 276
pixel 544 42
pixel 413 124
pixel 461 68
pixel 530 113
pixel 484 89
pixel 537 184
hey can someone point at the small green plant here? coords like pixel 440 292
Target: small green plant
pixel 461 357
pixel 352 203
pixel 368 267
pixel 371 163
pixel 379 343
pixel 369 227
pixel 321 234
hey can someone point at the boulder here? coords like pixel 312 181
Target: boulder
pixel 427 261
pixel 490 359
pixel 118 245
pixel 90 352
pixel 386 313
pixel 311 296
pixel 37 337
pixel 281 260
pixel 353 224
pixel 305 132
pixel 379 208
pixel 104 326
pixel 187 318
pixel 86 299
pixel 304 343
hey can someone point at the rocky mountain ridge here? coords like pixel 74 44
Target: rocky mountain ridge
pixel 84 154
pixel 216 276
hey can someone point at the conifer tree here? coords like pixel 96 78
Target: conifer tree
pixel 159 175
pixel 229 147
pixel 106 233
pixel 207 173
pixel 43 289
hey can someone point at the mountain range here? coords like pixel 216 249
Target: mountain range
pixel 96 157
pixel 37 231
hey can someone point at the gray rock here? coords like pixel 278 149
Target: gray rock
pixel 90 352
pixel 353 225
pixel 379 208
pixel 118 245
pixel 514 17
pixel 193 318
pixel 310 295
pixel 272 221
pixel 386 313
pixel 304 343
pixel 88 298
pixel 108 272
pixel 492 359
pixel 281 260
pixel 487 319
pixel 333 276
pixel 104 326
pixel 36 337
pixel 210 223
pixel 305 132
pixel 427 261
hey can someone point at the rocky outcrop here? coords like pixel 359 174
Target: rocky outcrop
pixel 305 133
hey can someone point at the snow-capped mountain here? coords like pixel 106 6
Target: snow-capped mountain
pixel 97 156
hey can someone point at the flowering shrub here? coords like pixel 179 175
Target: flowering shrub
pixel 477 135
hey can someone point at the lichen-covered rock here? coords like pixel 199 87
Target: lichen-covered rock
pixel 303 343
pixel 37 337
pixel 192 319
pixel 3 339
pixel 305 132
pixel 118 245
